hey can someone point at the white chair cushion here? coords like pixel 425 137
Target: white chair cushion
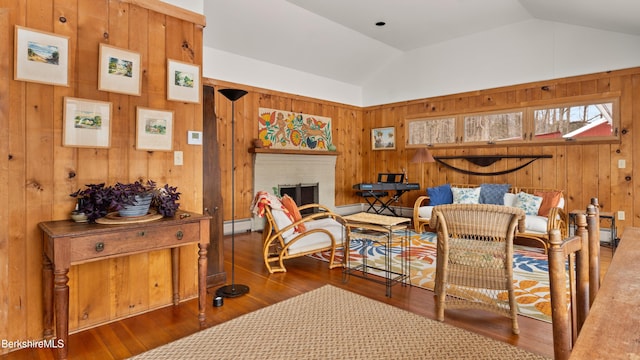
pixel 535 224
pixel 312 241
pixel 282 221
pixel 424 212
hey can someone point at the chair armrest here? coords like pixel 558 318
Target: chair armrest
pixel 419 202
pixel 558 219
pixel 311 206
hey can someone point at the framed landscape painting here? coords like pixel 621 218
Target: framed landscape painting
pixel 154 129
pixel 119 70
pixel 87 123
pixel 41 57
pixel 183 81
pixel 383 138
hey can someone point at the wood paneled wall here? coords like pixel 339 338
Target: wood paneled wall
pixel 582 171
pixel 346 122
pixel 38 173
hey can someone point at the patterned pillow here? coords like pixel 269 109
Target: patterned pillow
pixel 292 207
pixel 466 195
pixel 529 203
pixel 440 195
pixel 493 193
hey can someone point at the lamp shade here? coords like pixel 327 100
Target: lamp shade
pixel 232 94
pixel 422 156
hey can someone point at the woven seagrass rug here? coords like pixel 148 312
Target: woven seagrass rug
pixel 530 270
pixel 331 323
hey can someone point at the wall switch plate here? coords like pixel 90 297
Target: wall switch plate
pixel 622 164
pixel 194 138
pixel 177 158
pixel 620 215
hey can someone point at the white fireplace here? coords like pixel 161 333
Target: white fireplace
pixel 271 170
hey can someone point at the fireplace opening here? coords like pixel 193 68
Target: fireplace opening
pixel 302 194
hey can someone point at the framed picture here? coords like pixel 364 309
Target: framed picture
pixel 119 70
pixel 383 138
pixel 87 123
pixel 41 57
pixel 154 129
pixel 183 81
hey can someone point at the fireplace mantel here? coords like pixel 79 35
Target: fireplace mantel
pixel 291 152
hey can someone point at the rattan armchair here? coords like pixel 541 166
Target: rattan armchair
pixel 325 230
pixel 474 263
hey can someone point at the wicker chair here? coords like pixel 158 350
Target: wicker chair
pixel 474 261
pixel 282 239
pixel 573 291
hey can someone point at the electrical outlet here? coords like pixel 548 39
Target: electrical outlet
pixel 177 158
pixel 622 164
pixel 620 215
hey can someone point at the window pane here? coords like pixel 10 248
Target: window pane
pixel 493 127
pixel 431 131
pixel 574 121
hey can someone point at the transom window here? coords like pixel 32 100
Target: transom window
pixel 579 121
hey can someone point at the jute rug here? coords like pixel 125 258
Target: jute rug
pixel 530 270
pixel 331 323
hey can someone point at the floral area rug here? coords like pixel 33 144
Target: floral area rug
pixel 530 270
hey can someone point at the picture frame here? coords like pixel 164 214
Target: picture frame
pixel 119 70
pixel 183 81
pixel 383 138
pixel 87 123
pixel 154 129
pixel 41 57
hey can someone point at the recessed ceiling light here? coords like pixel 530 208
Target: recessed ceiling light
pixel 381 23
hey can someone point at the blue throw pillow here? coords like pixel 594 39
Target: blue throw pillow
pixel 493 193
pixel 440 195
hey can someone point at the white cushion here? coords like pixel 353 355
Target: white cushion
pixel 282 221
pixel 535 224
pixel 561 202
pixel 510 199
pixel 424 212
pixel 311 241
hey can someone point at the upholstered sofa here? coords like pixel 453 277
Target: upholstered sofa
pixel 544 208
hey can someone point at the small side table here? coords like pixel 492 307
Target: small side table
pixel 375 229
pixel 610 216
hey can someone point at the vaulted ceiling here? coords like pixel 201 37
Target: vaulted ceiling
pixel 339 39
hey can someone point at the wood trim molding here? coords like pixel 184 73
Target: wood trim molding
pixel 170 10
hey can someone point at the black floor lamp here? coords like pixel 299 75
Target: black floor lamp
pixel 233 290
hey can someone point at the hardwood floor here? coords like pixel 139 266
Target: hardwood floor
pixel 135 335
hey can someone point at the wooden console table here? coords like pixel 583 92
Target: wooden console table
pixel 67 243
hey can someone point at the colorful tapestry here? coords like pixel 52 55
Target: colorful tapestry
pixel 530 270
pixel 284 130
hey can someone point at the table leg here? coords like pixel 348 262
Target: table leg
pixel 202 281
pixel 61 294
pixel 47 291
pixel 175 274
